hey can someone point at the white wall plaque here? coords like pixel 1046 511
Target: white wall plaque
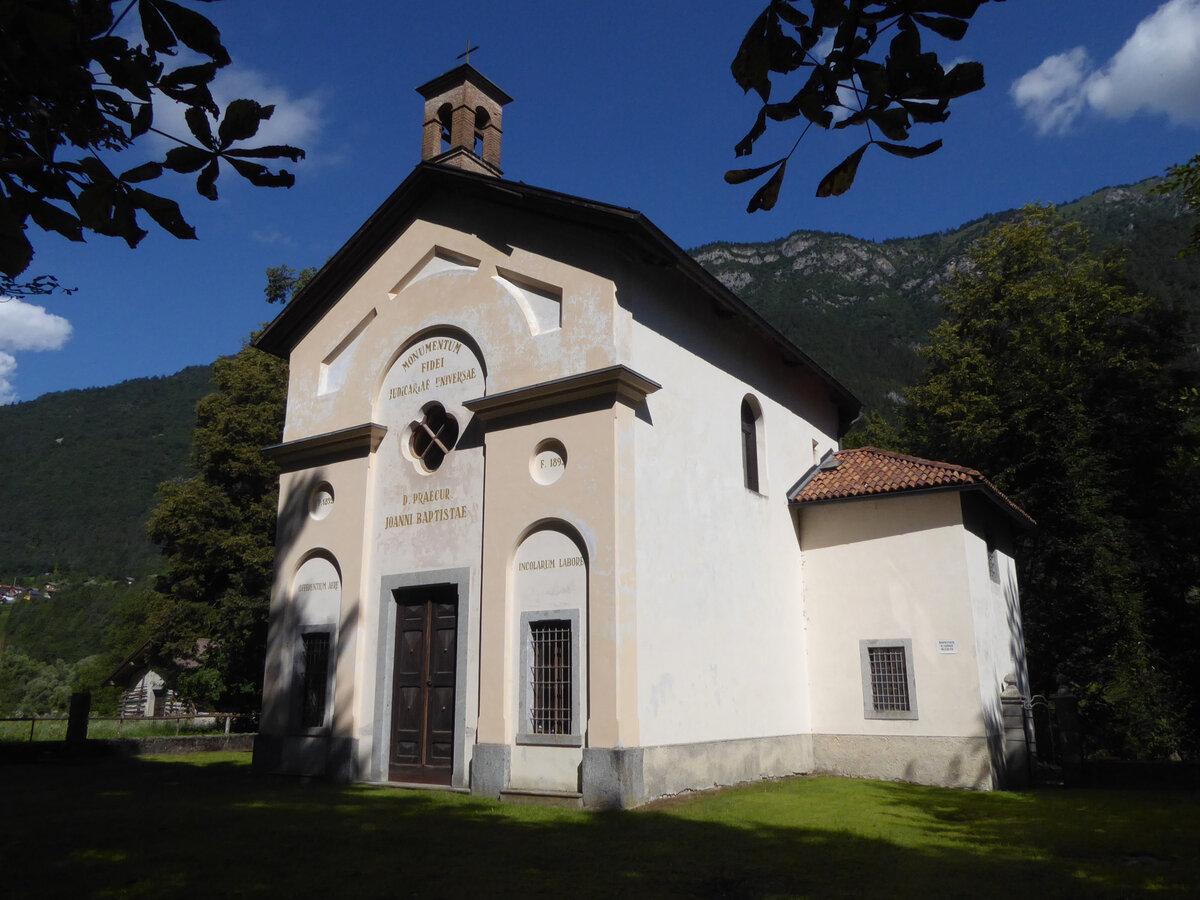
pixel 320 502
pixel 947 646
pixel 549 462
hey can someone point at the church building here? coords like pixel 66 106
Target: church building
pixel 562 517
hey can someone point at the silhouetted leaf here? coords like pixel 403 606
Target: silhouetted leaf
pixel 155 30
pixel 142 121
pixel 197 32
pixel 203 73
pixel 165 212
pixel 964 78
pixel 926 113
pixel 144 172
pixel 197 121
pixel 241 121
pixel 260 176
pixel 765 196
pixel 892 122
pixel 788 13
pixel 752 62
pixel 951 29
pixel 15 250
pixel 746 145
pixel 206 183
pixel 909 152
pixel 187 159
pixel 738 176
pixel 53 218
pixel 269 151
pixel 840 178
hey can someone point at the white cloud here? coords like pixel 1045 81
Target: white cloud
pixel 296 120
pixel 8 369
pixel 1156 71
pixel 1052 94
pixel 271 236
pixel 24 327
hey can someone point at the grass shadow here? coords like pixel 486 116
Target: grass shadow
pixel 147 828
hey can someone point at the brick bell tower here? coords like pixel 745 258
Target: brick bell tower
pixel 463 110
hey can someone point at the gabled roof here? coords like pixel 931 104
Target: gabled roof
pixel 646 242
pixel 869 472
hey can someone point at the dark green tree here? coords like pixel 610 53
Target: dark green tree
pixel 217 531
pixel 1066 387
pixel 875 73
pixel 1184 179
pixel 283 282
pixel 74 93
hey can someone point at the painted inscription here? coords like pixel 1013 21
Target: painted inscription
pixel 318 586
pixel 426 516
pixel 446 345
pixel 320 502
pixel 549 462
pixel 539 565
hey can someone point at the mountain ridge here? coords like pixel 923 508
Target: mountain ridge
pixel 860 308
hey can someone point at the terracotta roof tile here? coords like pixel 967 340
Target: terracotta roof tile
pixel 868 471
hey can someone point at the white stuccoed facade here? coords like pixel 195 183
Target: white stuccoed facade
pixel 516 506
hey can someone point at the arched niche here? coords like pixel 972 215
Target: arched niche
pixel 550 589
pixel 316 593
pixel 315 601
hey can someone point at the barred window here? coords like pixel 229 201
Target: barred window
pixel 314 678
pixel 889 691
pixel 550 677
pixel 551 705
pixel 889 678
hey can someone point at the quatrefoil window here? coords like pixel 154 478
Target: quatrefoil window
pixel 433 437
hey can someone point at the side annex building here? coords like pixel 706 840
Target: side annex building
pixel 560 514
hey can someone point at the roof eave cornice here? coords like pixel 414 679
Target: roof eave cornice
pixel 377 232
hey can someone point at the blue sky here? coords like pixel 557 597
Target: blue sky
pixel 630 103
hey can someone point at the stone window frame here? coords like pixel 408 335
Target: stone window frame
pixel 300 678
pixel 869 710
pixel 525 734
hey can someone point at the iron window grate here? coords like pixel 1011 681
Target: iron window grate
pixel 316 671
pixel 550 677
pixel 889 679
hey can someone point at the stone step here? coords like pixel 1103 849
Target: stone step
pixel 422 786
pixel 563 799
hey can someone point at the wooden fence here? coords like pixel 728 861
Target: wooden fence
pixel 55 727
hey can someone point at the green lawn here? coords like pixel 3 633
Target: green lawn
pixel 47 730
pixel 205 826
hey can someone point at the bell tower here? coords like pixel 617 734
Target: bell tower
pixel 463 111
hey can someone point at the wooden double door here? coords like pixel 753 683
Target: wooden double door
pixel 423 681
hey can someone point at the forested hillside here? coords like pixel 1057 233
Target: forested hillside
pixel 861 308
pixel 81 469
